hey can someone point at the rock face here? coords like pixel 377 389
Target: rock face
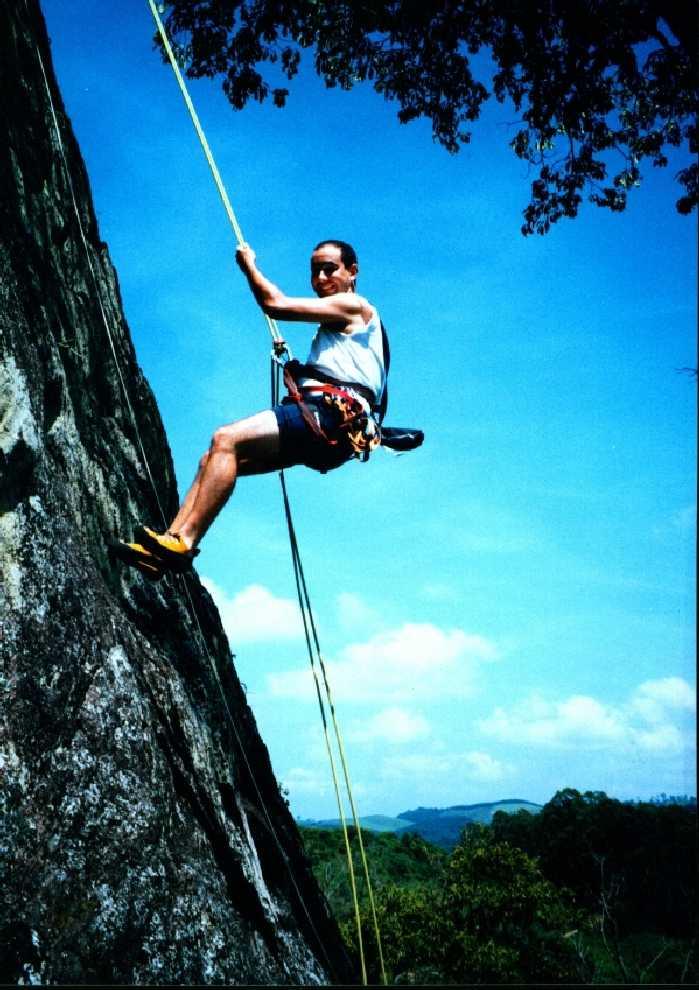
pixel 143 837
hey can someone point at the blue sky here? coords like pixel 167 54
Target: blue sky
pixel 510 609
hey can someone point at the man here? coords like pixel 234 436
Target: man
pixel 323 423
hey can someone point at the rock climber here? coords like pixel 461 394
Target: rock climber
pixel 324 421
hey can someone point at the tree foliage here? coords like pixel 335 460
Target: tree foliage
pixel 406 860
pixel 636 862
pixel 591 889
pixel 600 87
pixel 491 918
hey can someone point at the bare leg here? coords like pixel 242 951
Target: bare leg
pixel 189 498
pixel 252 440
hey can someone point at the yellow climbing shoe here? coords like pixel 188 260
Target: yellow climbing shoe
pixel 169 549
pixel 137 556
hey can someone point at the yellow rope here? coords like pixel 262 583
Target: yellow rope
pixel 311 634
pixel 230 212
pixel 355 816
pixel 345 834
pixel 312 641
pixel 277 338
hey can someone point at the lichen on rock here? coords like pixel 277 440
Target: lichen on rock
pixel 143 836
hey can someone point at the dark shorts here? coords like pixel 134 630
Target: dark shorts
pixel 299 445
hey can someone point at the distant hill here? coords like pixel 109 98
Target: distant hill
pixel 442 826
pixel 375 823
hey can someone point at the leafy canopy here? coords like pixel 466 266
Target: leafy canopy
pixel 491 917
pixel 600 86
pixel 591 843
pixel 404 859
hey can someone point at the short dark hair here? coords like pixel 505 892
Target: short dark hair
pixel 347 252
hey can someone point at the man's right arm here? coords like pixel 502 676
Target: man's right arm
pixel 343 307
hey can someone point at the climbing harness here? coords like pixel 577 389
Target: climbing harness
pixel 355 425
pixel 280 351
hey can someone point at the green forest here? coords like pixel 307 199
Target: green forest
pixel 589 890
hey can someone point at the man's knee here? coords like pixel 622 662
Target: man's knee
pixel 223 441
pixel 256 436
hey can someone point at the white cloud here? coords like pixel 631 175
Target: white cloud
pixel 415 766
pixel 660 739
pixel 255 614
pixel 301 780
pixel 415 660
pixel 471 766
pixel 392 725
pixel 353 612
pixel 652 720
pixel 652 699
pixel 583 716
pixel 317 782
pixel 482 766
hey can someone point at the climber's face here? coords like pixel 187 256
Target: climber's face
pixel 329 273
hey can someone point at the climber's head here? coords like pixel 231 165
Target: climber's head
pixel 334 268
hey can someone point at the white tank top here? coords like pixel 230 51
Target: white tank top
pixel 352 357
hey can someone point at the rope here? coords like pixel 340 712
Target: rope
pixel 253 779
pixel 314 652
pixel 146 464
pixel 279 346
pixel 96 283
pixel 308 624
pixel 230 213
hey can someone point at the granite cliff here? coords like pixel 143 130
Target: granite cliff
pixel 143 837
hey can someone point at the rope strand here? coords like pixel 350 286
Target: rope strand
pixel 149 473
pixel 304 600
pixel 298 570
pixel 230 212
pixel 307 617
pixel 95 282
pixel 305 605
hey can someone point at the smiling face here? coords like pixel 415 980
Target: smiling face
pixel 329 273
